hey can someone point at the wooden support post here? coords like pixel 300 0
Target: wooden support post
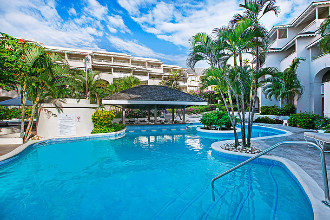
pixel 172 115
pixel 184 115
pixel 123 115
pixel 155 115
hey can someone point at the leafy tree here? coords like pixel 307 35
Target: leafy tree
pixel 123 83
pixel 285 86
pixel 325 32
pixel 173 80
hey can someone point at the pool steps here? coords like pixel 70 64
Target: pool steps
pixel 326 200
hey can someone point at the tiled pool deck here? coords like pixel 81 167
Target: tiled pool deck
pixel 308 158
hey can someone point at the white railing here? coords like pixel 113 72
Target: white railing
pixel 142 78
pixel 310 27
pixel 101 61
pixel 120 75
pixel 287 60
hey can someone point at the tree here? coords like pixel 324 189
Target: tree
pixel 325 32
pixel 95 87
pixel 173 79
pixel 123 83
pixel 285 86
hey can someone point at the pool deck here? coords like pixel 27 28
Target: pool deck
pixel 308 158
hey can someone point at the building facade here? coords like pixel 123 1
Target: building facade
pixel 113 66
pixel 301 38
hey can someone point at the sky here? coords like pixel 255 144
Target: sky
pixel 145 28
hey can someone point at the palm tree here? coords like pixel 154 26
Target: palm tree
pixel 325 32
pixel 285 86
pixel 173 79
pixel 123 83
pixel 44 81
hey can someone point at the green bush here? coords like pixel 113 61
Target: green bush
pixel 275 110
pixel 288 110
pixel 217 119
pixel 304 120
pixel 8 113
pixel 268 120
pixel 206 108
pixel 270 110
pixel 108 129
pixel 102 121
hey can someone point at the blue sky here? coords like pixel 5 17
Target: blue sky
pixel 146 28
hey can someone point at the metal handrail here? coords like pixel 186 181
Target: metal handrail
pixel 319 148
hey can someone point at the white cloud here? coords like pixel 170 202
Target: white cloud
pixel 115 23
pixel 95 9
pixel 138 49
pixel 133 6
pixel 72 11
pixel 39 20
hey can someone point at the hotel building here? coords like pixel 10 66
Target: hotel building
pixel 301 38
pixel 113 66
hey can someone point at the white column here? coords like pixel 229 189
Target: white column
pixel 326 101
pixel 123 115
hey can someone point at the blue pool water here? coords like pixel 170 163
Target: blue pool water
pixel 157 172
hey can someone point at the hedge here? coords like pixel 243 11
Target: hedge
pixel 304 120
pixel 268 120
pixel 275 110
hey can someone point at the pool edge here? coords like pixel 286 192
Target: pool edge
pixel 14 153
pixel 312 190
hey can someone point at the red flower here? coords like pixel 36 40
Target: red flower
pixel 21 40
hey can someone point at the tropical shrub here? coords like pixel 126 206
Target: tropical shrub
pixel 323 124
pixel 268 120
pixel 217 119
pixel 102 121
pixel 304 120
pixel 288 109
pixel 270 110
pixel 8 113
pixel 201 109
pixel 275 110
pixel 208 95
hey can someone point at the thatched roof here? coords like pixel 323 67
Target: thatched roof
pixel 152 95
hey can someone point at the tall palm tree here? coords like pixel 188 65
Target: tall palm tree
pixel 325 32
pixel 285 86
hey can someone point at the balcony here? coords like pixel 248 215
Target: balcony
pixel 154 81
pixel 120 74
pixel 285 63
pixel 142 78
pixel 311 27
pixel 105 62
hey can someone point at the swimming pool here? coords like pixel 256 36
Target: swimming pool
pixel 154 172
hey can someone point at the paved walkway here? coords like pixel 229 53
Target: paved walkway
pixel 308 158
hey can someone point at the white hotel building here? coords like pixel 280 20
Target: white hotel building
pixel 301 39
pixel 113 66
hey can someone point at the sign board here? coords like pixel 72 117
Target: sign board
pixel 66 124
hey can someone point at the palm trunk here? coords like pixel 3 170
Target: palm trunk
pixel 23 100
pixel 232 119
pixel 30 125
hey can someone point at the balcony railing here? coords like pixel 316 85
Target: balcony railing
pixel 311 27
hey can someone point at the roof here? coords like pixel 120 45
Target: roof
pixel 145 96
pixel 15 102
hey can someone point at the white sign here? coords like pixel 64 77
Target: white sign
pixel 66 124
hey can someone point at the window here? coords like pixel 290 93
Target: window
pixel 282 33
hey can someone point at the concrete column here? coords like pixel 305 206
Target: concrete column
pixel 155 115
pixel 123 115
pixel 184 114
pixel 148 115
pixel 112 59
pixel 172 115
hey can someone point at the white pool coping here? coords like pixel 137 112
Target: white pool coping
pixel 310 187
pixel 16 151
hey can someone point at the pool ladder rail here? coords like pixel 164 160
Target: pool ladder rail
pixel 319 148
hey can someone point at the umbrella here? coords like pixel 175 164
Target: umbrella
pixel 15 102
